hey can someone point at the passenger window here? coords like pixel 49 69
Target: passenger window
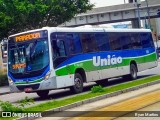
pixel 88 42
pixel 147 40
pixel 114 41
pixel 58 46
pixel 73 43
pixel 61 47
pixel 102 42
pixel 126 41
pixel 136 41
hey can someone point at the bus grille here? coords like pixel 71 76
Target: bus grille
pixel 22 87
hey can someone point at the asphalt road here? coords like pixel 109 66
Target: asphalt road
pixel 63 93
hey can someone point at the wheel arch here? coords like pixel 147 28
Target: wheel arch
pixel 135 63
pixel 81 71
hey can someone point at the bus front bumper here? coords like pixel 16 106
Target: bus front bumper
pixel 43 85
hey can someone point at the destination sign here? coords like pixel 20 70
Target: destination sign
pixel 18 66
pixel 26 37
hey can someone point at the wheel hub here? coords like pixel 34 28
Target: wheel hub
pixel 77 83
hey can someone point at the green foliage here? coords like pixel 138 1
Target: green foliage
pixel 20 15
pixel 25 101
pixel 7 106
pixel 97 89
pixel 3 79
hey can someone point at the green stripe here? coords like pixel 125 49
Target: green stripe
pixel 35 81
pixel 88 65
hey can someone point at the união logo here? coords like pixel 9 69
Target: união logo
pixel 110 60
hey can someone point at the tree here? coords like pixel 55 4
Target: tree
pixel 20 15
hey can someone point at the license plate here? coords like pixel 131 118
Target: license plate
pixel 28 89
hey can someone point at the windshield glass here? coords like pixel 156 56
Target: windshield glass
pixel 28 56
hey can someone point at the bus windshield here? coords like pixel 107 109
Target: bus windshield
pixel 28 56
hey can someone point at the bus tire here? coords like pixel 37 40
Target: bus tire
pixel 43 93
pixel 133 72
pixel 78 84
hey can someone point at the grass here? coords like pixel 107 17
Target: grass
pixel 8 118
pixel 58 103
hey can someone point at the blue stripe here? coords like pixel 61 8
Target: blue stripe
pixel 120 53
pixel 29 79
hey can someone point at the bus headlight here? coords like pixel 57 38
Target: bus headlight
pixel 47 75
pixel 10 81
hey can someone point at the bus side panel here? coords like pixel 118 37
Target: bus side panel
pixel 64 81
pixel 148 60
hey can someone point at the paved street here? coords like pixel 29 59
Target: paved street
pixel 62 93
pixel 153 108
pixel 4 90
pixel 127 106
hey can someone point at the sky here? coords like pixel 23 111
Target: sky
pixel 101 3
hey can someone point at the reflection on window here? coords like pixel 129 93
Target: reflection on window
pixel 136 41
pixel 146 39
pixel 17 57
pixel 73 43
pixel 28 56
pixel 126 41
pixel 58 45
pixel 102 42
pixel 88 43
pixel 114 40
pixel 58 48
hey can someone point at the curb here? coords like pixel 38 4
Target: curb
pixel 5 93
pixel 63 108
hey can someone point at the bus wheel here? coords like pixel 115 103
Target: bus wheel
pixel 78 84
pixel 133 72
pixel 43 93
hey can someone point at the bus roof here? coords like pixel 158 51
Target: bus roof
pixel 77 29
pixel 100 30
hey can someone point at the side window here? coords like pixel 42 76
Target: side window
pixel 88 42
pixel 114 40
pixel 58 45
pixel 136 41
pixel 102 41
pixel 147 40
pixel 126 41
pixel 73 43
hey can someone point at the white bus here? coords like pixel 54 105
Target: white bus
pixel 52 58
